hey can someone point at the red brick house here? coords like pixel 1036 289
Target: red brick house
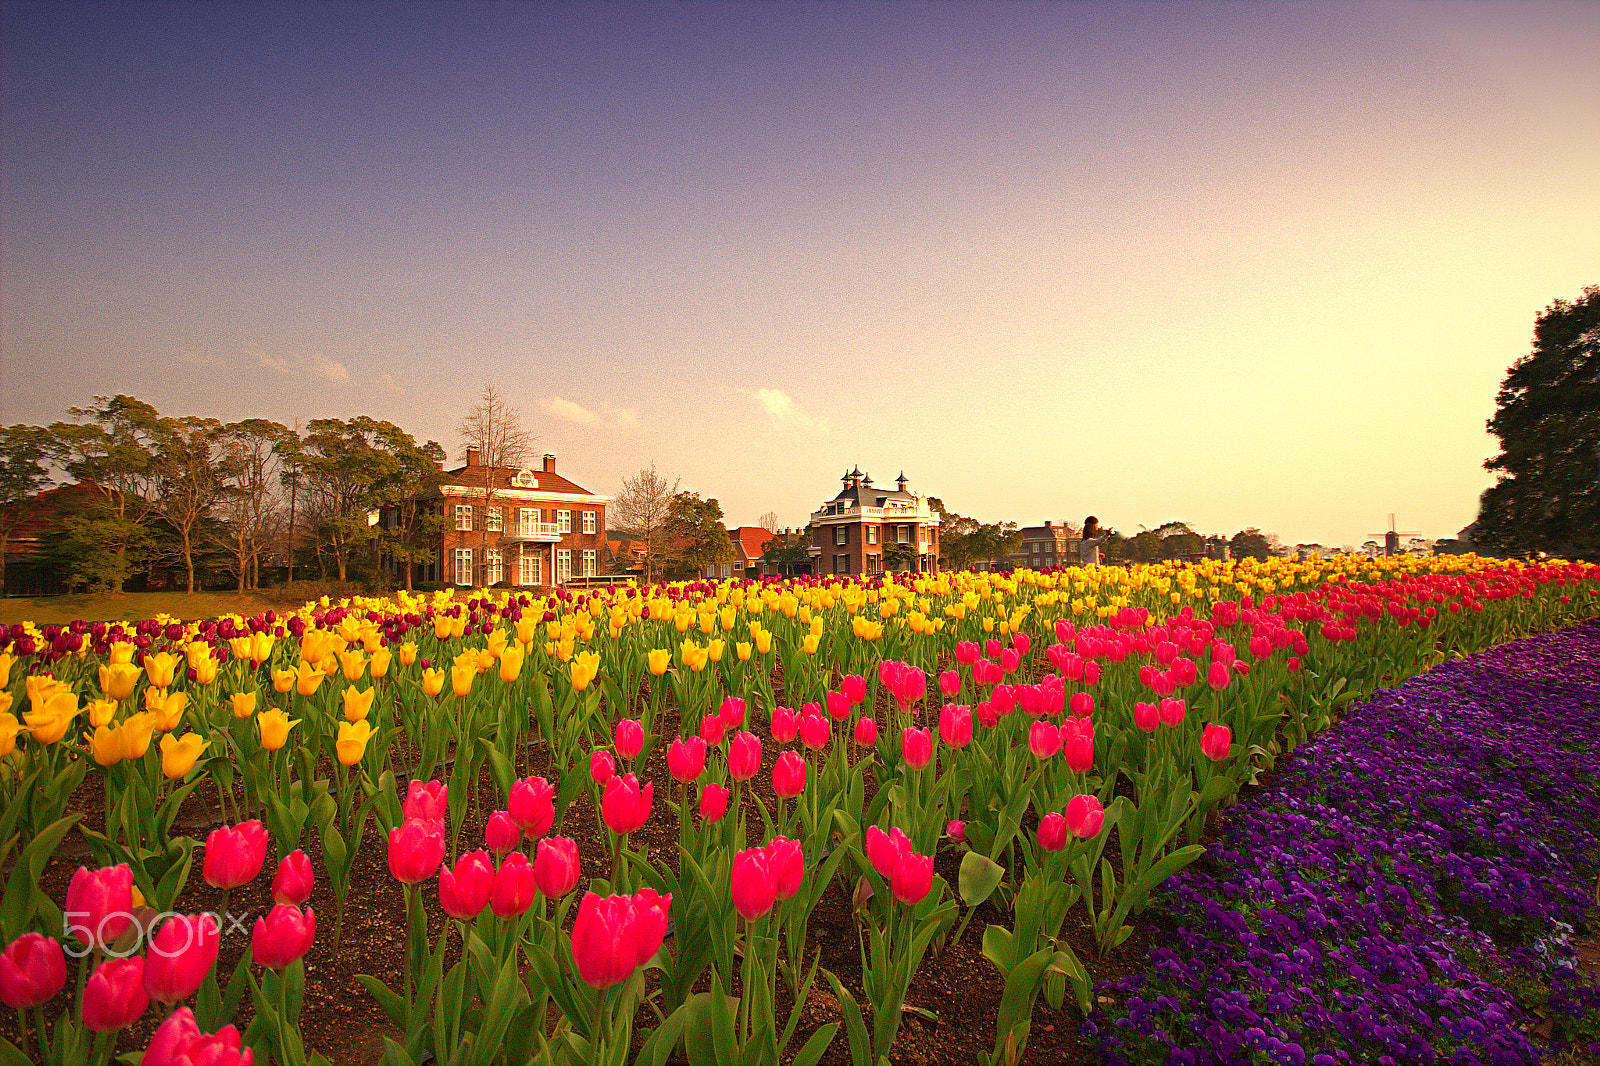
pixel 538 529
pixel 851 532
pixel 749 544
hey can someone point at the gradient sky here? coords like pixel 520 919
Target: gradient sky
pixel 1239 265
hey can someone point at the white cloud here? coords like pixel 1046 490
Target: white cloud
pixel 303 366
pixel 568 411
pixel 783 412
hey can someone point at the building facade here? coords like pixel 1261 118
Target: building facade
pixel 1047 545
pixel 866 530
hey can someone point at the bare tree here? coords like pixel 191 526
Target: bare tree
pixel 641 509
pixel 186 481
pixel 493 429
pixel 768 521
pixel 250 453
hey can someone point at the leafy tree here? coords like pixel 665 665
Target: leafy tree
pixel 641 511
pixel 114 446
pixel 411 537
pixel 789 554
pixel 1179 540
pixel 1250 543
pixel 23 453
pixel 249 462
pixel 494 430
pixel 1145 546
pixel 349 468
pixel 966 542
pixel 698 539
pixel 1547 417
pixel 898 556
pixel 185 481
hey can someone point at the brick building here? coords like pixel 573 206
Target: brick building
pixel 853 532
pixel 1047 545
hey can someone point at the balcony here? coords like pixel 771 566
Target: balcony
pixel 538 532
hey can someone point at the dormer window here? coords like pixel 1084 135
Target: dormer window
pixel 524 479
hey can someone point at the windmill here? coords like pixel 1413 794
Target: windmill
pixel 1391 538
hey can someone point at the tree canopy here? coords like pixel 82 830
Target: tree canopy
pixel 1547 416
pixel 698 538
pixel 967 542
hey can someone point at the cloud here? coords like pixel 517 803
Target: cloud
pixel 304 366
pixel 568 411
pixel 783 412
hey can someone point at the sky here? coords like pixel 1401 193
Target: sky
pixel 1238 265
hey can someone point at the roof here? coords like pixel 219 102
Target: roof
pixel 41 513
pixel 546 481
pixel 752 541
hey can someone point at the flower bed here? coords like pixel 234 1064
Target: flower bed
pixel 1351 913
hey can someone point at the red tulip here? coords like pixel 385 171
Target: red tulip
pixel 966 652
pixel 628 736
pixel 916 747
pixel 1172 711
pixel 686 759
pixel 464 890
pixel 1146 717
pixel 613 935
pixel 1084 816
pixel 416 847
pixel 514 887
pixel 294 880
pixel 1022 642
pixel 1219 676
pixel 955 725
pixel 1215 741
pixel 179 1042
pixel 815 732
pixel 1081 704
pixel 602 768
pixel 713 802
pixel 949 683
pixel 731 713
pixel 100 904
pixel 1009 661
pixel 1078 751
pixel 32 969
pixel 283 936
pixel 912 877
pixel 1004 698
pixel 838 706
pixel 1044 740
pixel 789 775
pixel 625 806
pixel 531 806
pixel 854 687
pixel 427 799
pixel 785 725
pixel 1052 832
pixel 884 849
pixel 786 864
pixel 750 884
pixel 956 830
pixel 711 729
pixel 501 834
pixel 866 731
pixel 744 756
pixel 556 866
pixel 181 954
pixel 114 996
pixel 234 855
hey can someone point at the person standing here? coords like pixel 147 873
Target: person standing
pixel 1089 544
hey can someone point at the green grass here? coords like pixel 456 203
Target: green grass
pixel 130 606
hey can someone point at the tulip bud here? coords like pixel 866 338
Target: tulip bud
pixel 949 683
pixel 1084 817
pixel 1146 717
pixel 625 806
pixel 866 733
pixel 429 800
pixel 179 1042
pixel 556 867
pixel 1172 711
pixel 711 730
pixel 686 759
pixel 789 775
pixel 955 725
pixel 32 970
pixel 628 736
pixel 531 806
pixel 1044 740
pixel 114 996
pixel 514 887
pixel 731 713
pixel 100 904
pixel 1215 741
pixel 916 747
pixel 501 834
pixel 744 756
pixel 1052 832
pixel 416 847
pixel 815 732
pixel 294 879
pixel 713 802
pixel 751 885
pixel 284 935
pixel 181 954
pixel 956 831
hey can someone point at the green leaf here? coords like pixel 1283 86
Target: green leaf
pixel 392 1005
pixel 855 1026
pixel 980 876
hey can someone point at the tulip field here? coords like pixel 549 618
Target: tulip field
pixel 708 823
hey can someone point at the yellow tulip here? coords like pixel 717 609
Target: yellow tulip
pixel 659 659
pixel 743 649
pixel 136 732
pixel 117 679
pixel 105 744
pixel 461 679
pixel 100 712
pixel 584 668
pixel 408 653
pixel 275 725
pixel 261 648
pixel 5 701
pixel 356 704
pixel 307 678
pixel 244 704
pixel 9 728
pixel 441 627
pixel 6 659
pixel 866 629
pixel 205 670
pixel 179 754
pixel 510 664
pixel 485 660
pixel 355 665
pixel 39 688
pixel 497 642
pixel 809 644
pixel 764 641
pixel 166 710
pixel 379 666
pixel 49 724
pixel 433 681
pixel 352 742
pixel 197 651
pixel 726 617
pixel 159 668
pixel 240 646
pixel 120 652
pixel 714 649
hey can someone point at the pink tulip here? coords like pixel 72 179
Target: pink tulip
pixel 1052 832
pixel 986 714
pixel 731 713
pixel 1084 816
pixel 1044 740
pixel 1184 673
pixel 179 1042
pixel 1009 661
pixel 100 904
pixel 838 706
pixel 625 806
pixel 955 725
pixel 785 725
pixel 751 885
pixel 1166 652
pixel 966 652
pixel 602 767
pixel 711 730
pixel 949 683
pixel 854 687
pixel 514 887
pixel 416 847
pixel 713 803
pixel 912 877
pixel 294 880
pixel 531 806
pixel 556 867
pixel 1146 717
pixel 1215 741
pixel 1004 698
pixel 916 747
pixel 283 936
pixel 884 849
pixel 114 996
pixel 1172 711
pixel 181 954
pixel 789 775
pixel 32 969
pixel 1022 642
pixel 426 799
pixel 956 830
pixel 234 855
pixel 866 731
pixel 991 648
pixel 464 890
pixel 1078 751
pixel 501 834
pixel 686 759
pixel 628 737
pixel 1081 705
pixel 614 935
pixel 815 731
pixel 1219 676
pixel 744 756
pixel 787 866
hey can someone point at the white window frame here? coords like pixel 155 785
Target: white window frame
pixel 463 518
pixel 494 566
pixel 563 565
pixel 494 519
pixel 527 525
pixel 590 561
pixel 902 534
pixel 530 569
pixel 464 567
pixel 841 564
pixel 588 521
pixel 563 521
pixel 841 534
pixel 872 534
pixel 738 564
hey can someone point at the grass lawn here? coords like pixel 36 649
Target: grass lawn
pixel 128 606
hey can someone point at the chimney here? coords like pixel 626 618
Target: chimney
pixel 472 456
pixel 549 463
pixel 1047 523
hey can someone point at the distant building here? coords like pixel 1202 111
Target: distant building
pixel 866 530
pixel 1046 546
pixel 749 544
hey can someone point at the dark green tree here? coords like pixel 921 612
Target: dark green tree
pixel 696 537
pixel 409 498
pixel 1547 416
pixel 113 445
pixel 23 475
pixel 967 542
pixel 790 555
pixel 1250 544
pixel 1179 541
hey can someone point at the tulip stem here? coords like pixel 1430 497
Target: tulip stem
pixel 22 1019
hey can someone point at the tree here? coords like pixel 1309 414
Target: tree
pixel 249 461
pixel 412 535
pixel 1250 543
pixel 494 431
pixel 1145 546
pixel 1547 416
pixel 343 470
pixel 115 450
pixel 768 521
pixel 23 452
pixel 697 537
pixel 1179 541
pixel 185 481
pixel 966 542
pixel 789 554
pixel 641 510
